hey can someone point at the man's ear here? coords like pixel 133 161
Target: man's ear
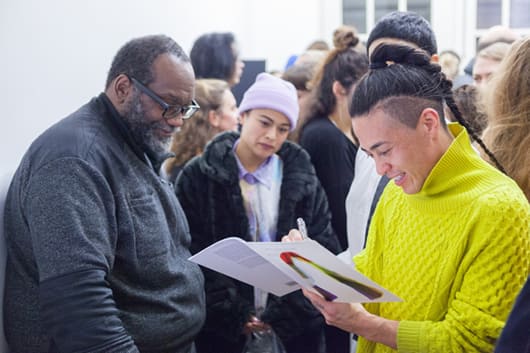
pixel 213 118
pixel 119 91
pixel 122 87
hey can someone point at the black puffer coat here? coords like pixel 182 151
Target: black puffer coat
pixel 208 189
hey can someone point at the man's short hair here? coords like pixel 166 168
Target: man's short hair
pixel 407 26
pixel 135 58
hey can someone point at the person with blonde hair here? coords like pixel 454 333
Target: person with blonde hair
pixel 487 62
pixel 450 62
pixel 507 103
pixel 218 113
pixel 492 35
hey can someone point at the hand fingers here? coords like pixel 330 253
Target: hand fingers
pixel 294 235
pixel 316 300
pixel 256 326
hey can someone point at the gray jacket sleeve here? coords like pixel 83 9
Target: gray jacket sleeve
pixel 71 212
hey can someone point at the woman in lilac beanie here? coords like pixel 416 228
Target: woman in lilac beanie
pixel 254 185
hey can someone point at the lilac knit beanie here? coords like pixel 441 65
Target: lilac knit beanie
pixel 271 92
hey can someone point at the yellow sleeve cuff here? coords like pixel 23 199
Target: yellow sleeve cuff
pixel 408 336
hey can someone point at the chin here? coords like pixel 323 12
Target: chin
pixel 262 154
pixel 160 146
pixel 411 189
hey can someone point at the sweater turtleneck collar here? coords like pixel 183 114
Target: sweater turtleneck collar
pixel 459 176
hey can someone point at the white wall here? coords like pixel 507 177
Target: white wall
pixel 55 54
pixel 453 22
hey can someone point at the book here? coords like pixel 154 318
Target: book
pixel 283 267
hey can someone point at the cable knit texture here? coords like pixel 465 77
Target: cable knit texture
pixel 457 253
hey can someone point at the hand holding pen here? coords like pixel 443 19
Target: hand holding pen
pixel 297 234
pixel 302 228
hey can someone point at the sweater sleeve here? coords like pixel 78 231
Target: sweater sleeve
pixel 70 211
pixel 491 274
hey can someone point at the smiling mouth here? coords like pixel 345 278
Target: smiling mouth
pixel 166 133
pixel 398 179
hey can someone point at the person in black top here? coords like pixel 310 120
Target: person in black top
pixel 327 132
pixel 327 136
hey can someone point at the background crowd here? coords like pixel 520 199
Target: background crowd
pixel 395 158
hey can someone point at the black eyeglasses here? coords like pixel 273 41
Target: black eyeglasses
pixel 170 111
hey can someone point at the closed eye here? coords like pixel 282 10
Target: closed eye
pixel 384 153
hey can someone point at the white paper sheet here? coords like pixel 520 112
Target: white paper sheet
pixel 281 268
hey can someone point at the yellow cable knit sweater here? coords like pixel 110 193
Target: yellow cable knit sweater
pixel 457 252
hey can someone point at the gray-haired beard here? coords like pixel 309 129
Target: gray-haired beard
pixel 143 131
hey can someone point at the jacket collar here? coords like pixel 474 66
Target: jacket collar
pixel 219 162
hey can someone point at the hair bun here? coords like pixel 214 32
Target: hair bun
pixel 344 37
pixel 402 54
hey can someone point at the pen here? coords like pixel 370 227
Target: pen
pixel 302 228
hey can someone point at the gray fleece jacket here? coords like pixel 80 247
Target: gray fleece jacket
pixel 97 246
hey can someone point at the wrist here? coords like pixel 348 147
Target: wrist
pixel 380 330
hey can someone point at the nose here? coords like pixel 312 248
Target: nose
pixel 176 121
pixel 271 133
pixel 381 167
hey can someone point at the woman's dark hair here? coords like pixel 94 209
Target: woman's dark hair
pixel 402 81
pixel 343 64
pixel 213 56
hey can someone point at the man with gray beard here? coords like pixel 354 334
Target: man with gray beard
pixel 97 243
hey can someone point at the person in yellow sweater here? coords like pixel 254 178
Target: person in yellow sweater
pixel 451 233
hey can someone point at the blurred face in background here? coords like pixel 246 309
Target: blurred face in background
pixel 482 70
pixel 225 118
